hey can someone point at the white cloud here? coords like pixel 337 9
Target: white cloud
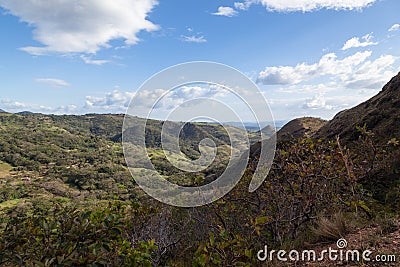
pixel 371 74
pixel 244 5
pixel 11 105
pixel 159 101
pixel 15 106
pixel 328 86
pixel 394 27
pixel 190 92
pixel 225 11
pixel 328 64
pixel 284 74
pixel 98 62
pixel 193 36
pixel 194 39
pixel 355 42
pixel 117 101
pixel 185 93
pixel 112 100
pixel 347 100
pixel 154 99
pixel 81 26
pixel 68 109
pixel 52 82
pixel 308 88
pixel 305 5
pixel 354 71
pixel 317 102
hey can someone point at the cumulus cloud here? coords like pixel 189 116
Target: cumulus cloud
pixel 194 39
pixel 355 42
pixel 305 5
pixel 394 27
pixel 161 101
pixel 67 109
pixel 371 74
pixel 52 82
pixel 81 26
pixel 112 100
pixel 317 102
pixel 119 101
pixel 328 64
pixel 354 71
pixel 197 91
pixel 225 11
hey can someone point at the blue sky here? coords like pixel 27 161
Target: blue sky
pixel 308 57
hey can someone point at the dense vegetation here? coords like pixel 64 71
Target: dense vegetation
pixel 68 199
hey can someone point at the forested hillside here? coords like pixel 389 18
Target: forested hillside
pixel 68 199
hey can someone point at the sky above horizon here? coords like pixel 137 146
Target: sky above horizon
pixel 308 57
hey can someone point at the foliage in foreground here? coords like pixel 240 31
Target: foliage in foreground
pixel 67 236
pixel 315 192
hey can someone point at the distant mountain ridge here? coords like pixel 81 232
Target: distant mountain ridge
pixel 26 112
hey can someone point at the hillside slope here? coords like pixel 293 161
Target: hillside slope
pixel 70 155
pixel 373 128
pixel 300 127
pixel 380 115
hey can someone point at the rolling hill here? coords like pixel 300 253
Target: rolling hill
pixel 300 128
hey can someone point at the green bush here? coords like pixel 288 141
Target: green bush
pixel 68 236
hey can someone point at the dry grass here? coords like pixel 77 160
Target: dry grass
pixel 5 169
pixel 331 229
